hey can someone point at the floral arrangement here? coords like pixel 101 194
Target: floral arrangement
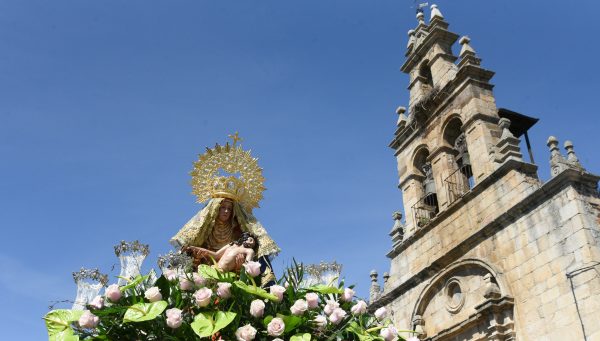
pixel 210 304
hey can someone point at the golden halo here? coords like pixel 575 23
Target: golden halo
pixel 228 171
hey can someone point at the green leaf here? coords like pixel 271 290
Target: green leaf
pixel 133 283
pixel 163 285
pixel 58 323
pixel 209 272
pixel 202 326
pixel 300 337
pixel 267 320
pixel 291 322
pixel 325 289
pixel 144 311
pixel 260 292
pixel 223 319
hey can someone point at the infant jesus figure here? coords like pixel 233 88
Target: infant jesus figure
pixel 230 257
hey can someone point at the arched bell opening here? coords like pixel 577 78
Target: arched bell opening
pixel 461 180
pixel 425 72
pixel 427 206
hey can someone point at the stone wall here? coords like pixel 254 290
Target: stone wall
pixel 531 236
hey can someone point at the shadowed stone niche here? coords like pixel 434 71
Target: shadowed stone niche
pixel 466 301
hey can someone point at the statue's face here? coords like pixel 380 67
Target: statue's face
pixel 225 210
pixel 249 243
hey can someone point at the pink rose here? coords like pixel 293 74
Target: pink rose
pixel 312 300
pixel 380 313
pixel 203 296
pixel 170 274
pixel 185 284
pixel 299 307
pixel 276 327
pixel 278 291
pixel 337 315
pixel 199 280
pixel 389 333
pixel 252 268
pixel 97 302
pixel 257 308
pixel 245 333
pixel 321 322
pixel 174 318
pixel 330 306
pixel 359 308
pixel 224 290
pixel 347 295
pixel 88 320
pixel 153 294
pixel 113 293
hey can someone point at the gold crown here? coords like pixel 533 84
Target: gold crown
pixel 228 172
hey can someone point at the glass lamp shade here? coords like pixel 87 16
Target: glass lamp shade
pixel 322 273
pixel 89 283
pixel 131 256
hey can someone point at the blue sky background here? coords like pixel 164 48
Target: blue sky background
pixel 105 105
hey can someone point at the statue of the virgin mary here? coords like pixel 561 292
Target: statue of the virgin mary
pixel 230 182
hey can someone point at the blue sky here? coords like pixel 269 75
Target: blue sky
pixel 106 104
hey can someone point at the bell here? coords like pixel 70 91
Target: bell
pixel 429 186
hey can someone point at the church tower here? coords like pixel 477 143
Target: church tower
pixel 487 250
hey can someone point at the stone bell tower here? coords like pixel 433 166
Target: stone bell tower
pixel 487 250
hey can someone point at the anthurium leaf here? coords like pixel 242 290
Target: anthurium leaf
pixel 260 292
pixel 133 283
pixel 144 311
pixel 202 326
pixel 223 319
pixel 291 322
pixel 58 323
pixel 65 335
pixel 300 337
pixel 325 289
pixel 209 272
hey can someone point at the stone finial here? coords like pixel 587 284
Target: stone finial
pixel 504 124
pixel 411 39
pixel 467 53
pixel 552 143
pixel 491 288
pixel 373 275
pixel 508 145
pixel 421 18
pixel 375 290
pixel 435 12
pixel 466 47
pixel 386 277
pixel 571 157
pixel 401 117
pixel 558 163
pixel 397 232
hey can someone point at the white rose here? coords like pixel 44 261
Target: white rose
pixel 276 327
pixel 381 313
pixel 337 315
pixel 245 333
pixel 257 308
pixel 299 307
pixel 359 308
pixel 330 305
pixel 153 294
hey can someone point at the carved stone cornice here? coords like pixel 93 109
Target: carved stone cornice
pixel 409 177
